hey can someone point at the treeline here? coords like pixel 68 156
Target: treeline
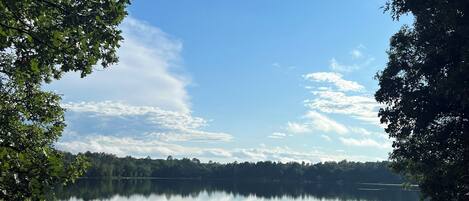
pixel 109 166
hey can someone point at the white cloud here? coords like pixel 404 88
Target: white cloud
pixel 336 79
pixel 325 137
pixel 145 75
pixel 192 135
pixel 157 149
pixel 165 118
pixel 144 96
pixel 144 121
pixel 360 107
pixel 323 123
pixel 280 66
pixel 286 154
pixel 277 135
pixel 297 128
pixel 314 121
pixel 335 97
pixel 356 54
pixel 366 142
pixel 277 65
pixel 138 148
pixel 336 66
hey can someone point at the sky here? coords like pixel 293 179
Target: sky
pixel 237 81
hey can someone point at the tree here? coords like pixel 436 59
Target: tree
pixel 39 41
pixel 425 90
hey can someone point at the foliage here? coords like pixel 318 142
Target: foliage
pixel 109 166
pixel 39 41
pixel 425 91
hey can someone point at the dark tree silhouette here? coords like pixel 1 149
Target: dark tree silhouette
pixel 109 166
pixel 39 41
pixel 425 90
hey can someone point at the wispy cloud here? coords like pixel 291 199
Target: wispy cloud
pixel 286 154
pixel 293 127
pixel 277 135
pixel 323 123
pixel 356 54
pixel 185 135
pixel 366 142
pixel 336 100
pixel 335 79
pixel 360 107
pixel 116 118
pixel 156 115
pixel 336 66
pixel 157 149
pixel 280 66
pixel 327 138
pixel 315 121
pixel 129 146
pixel 359 57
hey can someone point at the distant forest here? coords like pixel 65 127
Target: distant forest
pixel 109 166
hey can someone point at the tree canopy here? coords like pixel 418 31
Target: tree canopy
pixel 104 165
pixel 425 90
pixel 39 41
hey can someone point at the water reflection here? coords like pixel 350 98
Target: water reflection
pixel 170 190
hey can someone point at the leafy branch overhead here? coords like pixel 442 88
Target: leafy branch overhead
pixel 39 41
pixel 49 38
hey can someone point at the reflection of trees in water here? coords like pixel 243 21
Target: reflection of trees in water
pixel 88 189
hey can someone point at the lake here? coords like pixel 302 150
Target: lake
pixel 192 190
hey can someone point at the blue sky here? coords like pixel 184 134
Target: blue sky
pixel 237 80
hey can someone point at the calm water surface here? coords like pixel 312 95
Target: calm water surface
pixel 166 190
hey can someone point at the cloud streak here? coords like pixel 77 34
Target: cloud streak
pixel 360 107
pixel 357 54
pixel 336 66
pixel 277 135
pixel 144 121
pixel 366 142
pixel 157 149
pixel 323 123
pixel 335 79
pixel 297 128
